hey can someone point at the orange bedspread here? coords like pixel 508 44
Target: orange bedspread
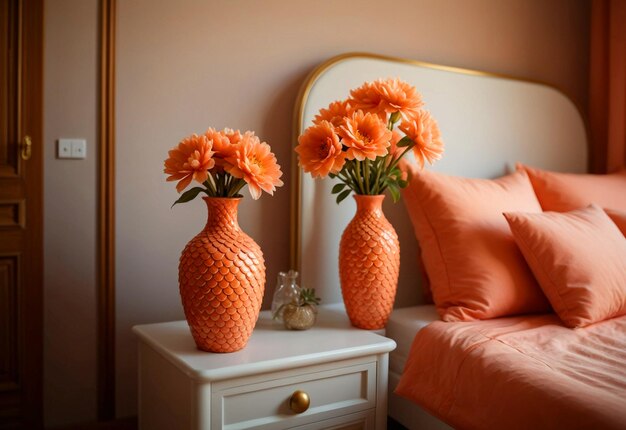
pixel 520 373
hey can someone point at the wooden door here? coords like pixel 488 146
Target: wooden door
pixel 21 192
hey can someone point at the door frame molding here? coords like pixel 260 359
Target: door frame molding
pixel 106 214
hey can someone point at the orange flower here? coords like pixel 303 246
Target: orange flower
pixel 224 144
pixel 334 113
pixel 365 135
pixel 366 98
pixel 233 135
pixel 319 150
pixel 255 163
pixel 191 159
pixel 424 131
pixel 386 97
pixel 220 141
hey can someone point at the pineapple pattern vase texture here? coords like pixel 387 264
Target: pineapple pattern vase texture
pixel 222 278
pixel 369 264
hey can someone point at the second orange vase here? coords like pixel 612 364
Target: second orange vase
pixel 222 279
pixel 369 264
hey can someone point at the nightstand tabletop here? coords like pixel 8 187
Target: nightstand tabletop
pixel 270 348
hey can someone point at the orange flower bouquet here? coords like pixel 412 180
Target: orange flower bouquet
pixel 358 141
pixel 354 140
pixel 223 162
pixel 221 273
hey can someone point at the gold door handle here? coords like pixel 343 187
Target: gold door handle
pixel 27 148
pixel 299 402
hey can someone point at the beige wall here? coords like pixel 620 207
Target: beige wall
pixel 70 110
pixel 183 66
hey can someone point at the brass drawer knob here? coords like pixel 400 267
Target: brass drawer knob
pixel 299 402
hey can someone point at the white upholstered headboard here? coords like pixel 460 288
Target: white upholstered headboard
pixel 487 122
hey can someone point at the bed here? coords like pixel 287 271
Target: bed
pixel 526 369
pixel 517 370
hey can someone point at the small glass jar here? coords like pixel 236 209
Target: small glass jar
pixel 299 317
pixel 287 292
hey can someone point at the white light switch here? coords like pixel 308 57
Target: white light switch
pixel 64 150
pixel 79 148
pixel 72 148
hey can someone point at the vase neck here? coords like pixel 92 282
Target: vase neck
pixel 222 212
pixel 288 278
pixel 365 203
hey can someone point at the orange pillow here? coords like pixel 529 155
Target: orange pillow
pixel 475 269
pixel 562 192
pixel 619 218
pixel 579 259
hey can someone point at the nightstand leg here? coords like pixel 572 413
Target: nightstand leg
pixel 381 395
pixel 201 406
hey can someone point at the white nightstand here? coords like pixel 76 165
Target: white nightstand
pixel 341 368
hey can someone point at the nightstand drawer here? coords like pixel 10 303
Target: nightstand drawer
pixel 333 390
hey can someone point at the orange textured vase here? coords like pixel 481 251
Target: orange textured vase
pixel 369 264
pixel 222 278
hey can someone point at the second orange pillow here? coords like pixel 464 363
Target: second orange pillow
pixel 579 259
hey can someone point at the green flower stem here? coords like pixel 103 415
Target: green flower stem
pixel 395 161
pixel 366 175
pixel 350 173
pixel 345 178
pixel 350 170
pixel 379 168
pixel 233 185
pixel 209 184
pixel 357 172
pixel 216 182
pixel 379 186
pixel 224 184
pixel 234 189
